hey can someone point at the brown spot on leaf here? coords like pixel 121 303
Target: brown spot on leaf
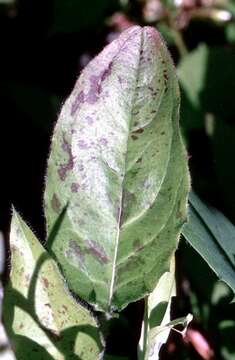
pixel 137 245
pixel 134 113
pixel 97 251
pixel 134 137
pixel 77 251
pixel 45 282
pixel 120 80
pixel 75 187
pixel 55 204
pixel 165 75
pixel 13 248
pixel 138 131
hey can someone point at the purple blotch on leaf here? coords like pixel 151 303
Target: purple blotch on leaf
pixel 96 85
pixel 76 250
pixel 83 145
pixel 97 251
pixel 75 187
pixel 78 101
pixel 94 91
pixel 55 204
pixel 64 168
pixel 89 120
pixel 103 141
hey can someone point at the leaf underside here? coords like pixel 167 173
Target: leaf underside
pixel 41 318
pixel 118 163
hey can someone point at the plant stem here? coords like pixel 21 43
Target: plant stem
pixel 145 326
pixel 179 42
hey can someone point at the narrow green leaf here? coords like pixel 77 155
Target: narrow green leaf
pixel 213 237
pixel 41 318
pixel 117 161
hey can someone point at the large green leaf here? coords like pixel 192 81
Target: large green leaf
pixel 118 163
pixel 213 236
pixel 41 318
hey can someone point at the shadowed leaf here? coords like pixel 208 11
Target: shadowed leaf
pixel 41 318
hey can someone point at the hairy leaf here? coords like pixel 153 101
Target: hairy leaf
pixel 118 163
pixel 41 318
pixel 213 237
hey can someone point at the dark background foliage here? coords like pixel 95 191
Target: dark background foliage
pixel 44 46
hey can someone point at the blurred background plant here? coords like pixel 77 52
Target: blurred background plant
pixel 44 46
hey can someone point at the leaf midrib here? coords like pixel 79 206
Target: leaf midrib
pixel 123 180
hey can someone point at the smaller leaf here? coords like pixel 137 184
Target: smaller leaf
pixel 213 236
pixel 193 82
pixel 41 318
pixel 157 325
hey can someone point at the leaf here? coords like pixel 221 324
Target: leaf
pixel 230 32
pixel 41 318
pixel 117 161
pixel 201 79
pixel 157 316
pixel 213 237
pixel 193 81
pixel 157 325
